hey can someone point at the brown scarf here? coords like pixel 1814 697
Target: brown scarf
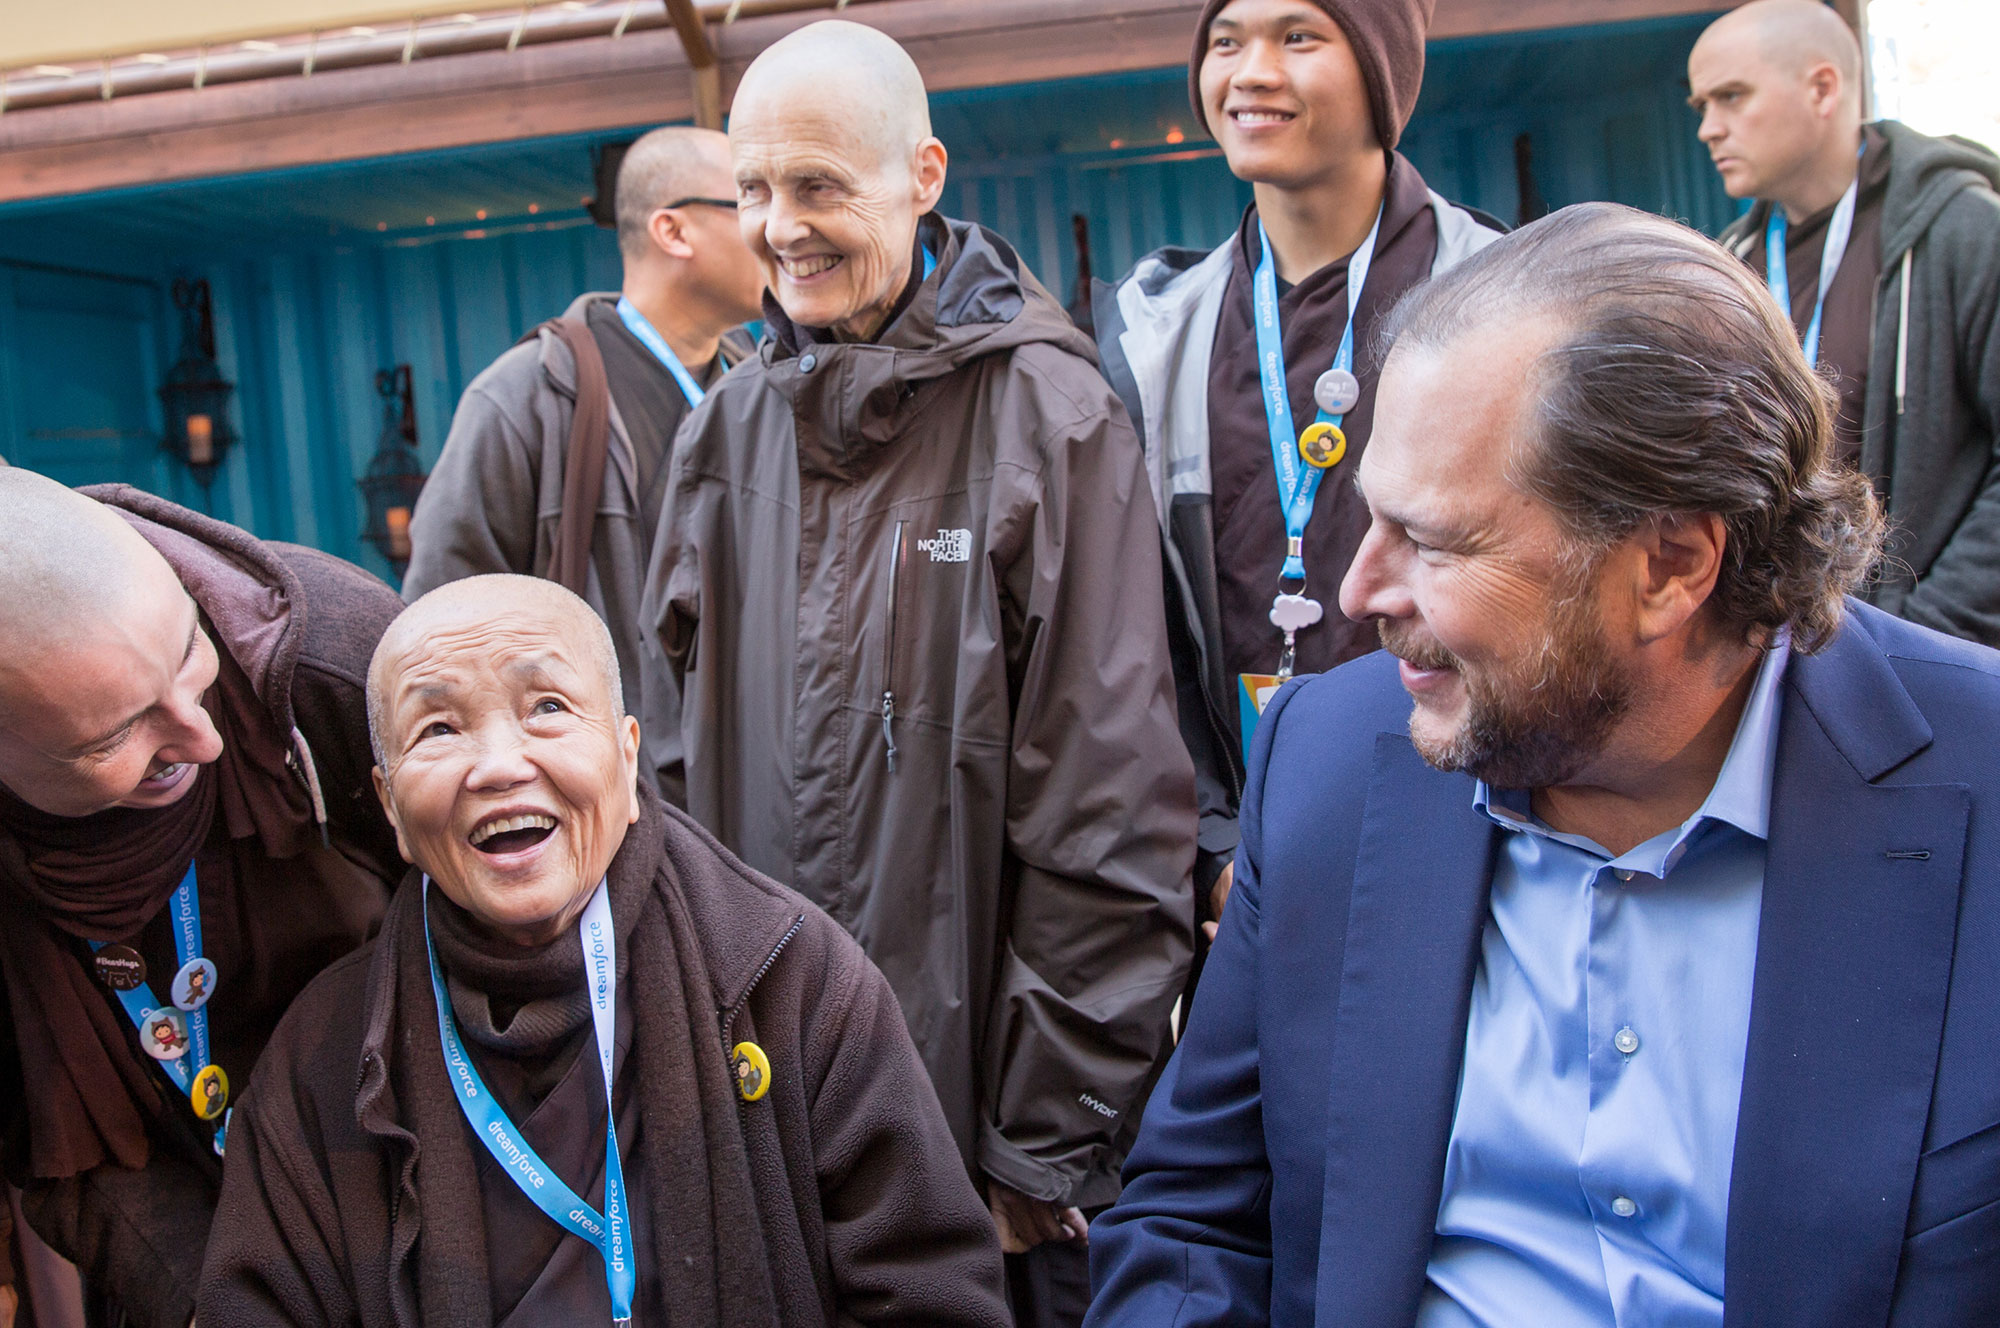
pixel 104 877
pixel 706 1224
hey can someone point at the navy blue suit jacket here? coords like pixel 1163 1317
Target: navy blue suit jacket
pixel 1291 1160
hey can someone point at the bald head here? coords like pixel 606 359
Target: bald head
pixel 66 561
pixel 502 759
pixel 855 77
pixel 467 615
pixel 835 164
pixel 1793 36
pixel 106 664
pixel 663 167
pixel 1777 84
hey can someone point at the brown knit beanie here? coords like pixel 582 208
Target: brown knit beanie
pixel 1388 40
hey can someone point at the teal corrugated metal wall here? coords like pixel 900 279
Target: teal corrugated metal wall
pixel 307 332
pixel 307 310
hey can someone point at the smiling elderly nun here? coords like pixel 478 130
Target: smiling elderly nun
pixel 426 1140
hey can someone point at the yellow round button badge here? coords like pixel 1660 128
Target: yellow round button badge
pixel 753 1070
pixel 1322 445
pixel 210 1092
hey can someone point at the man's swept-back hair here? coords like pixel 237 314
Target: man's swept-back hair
pixel 1673 386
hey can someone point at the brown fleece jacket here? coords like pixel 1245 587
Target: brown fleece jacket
pixel 849 1202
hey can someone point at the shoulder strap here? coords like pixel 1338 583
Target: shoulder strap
pixel 583 467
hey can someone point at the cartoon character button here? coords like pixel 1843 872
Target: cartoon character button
pixel 210 1092
pixel 163 1033
pixel 194 984
pixel 753 1070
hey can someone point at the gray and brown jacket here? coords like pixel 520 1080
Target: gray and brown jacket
pixel 910 594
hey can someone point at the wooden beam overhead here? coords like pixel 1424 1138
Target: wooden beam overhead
pixel 640 79
pixel 705 85
pixel 1476 18
pixel 693 33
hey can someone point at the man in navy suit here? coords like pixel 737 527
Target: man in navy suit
pixel 1622 945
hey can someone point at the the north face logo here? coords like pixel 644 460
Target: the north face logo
pixel 950 546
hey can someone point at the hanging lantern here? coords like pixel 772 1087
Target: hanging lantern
pixel 196 395
pixel 395 475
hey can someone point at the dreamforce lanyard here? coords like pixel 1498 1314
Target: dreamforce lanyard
pixel 610 1231
pixel 1322 444
pixel 636 324
pixel 169 1032
pixel 1837 232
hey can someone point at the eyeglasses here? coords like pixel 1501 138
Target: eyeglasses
pixel 729 203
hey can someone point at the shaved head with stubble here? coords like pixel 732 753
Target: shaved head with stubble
pixel 835 163
pixel 1777 84
pixel 106 663
pixel 1793 35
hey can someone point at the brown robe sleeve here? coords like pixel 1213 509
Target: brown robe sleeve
pixel 887 1169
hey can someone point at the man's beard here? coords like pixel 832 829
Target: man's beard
pixel 1542 731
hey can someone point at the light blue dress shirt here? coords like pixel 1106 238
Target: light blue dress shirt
pixel 1587 1182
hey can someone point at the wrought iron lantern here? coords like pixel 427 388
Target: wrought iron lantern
pixel 196 395
pixel 395 475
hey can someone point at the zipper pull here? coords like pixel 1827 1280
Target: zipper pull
pixel 888 734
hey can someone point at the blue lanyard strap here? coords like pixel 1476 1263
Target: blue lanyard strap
pixel 930 262
pixel 141 1002
pixel 610 1232
pixel 649 337
pixel 1298 484
pixel 1777 274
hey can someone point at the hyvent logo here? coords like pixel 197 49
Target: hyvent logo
pixel 1100 1108
pixel 950 546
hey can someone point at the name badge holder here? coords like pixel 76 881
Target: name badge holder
pixel 1777 275
pixel 175 1033
pixel 1299 459
pixel 609 1232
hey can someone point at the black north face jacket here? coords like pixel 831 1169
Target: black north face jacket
pixel 909 594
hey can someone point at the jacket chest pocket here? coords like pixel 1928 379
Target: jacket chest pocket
pixel 892 594
pixel 911 601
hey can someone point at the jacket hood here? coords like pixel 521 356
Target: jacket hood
pixel 1925 174
pixel 979 301
pixel 849 397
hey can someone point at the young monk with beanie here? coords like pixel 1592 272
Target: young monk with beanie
pixel 1307 101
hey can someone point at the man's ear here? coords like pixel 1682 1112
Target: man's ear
pixel 1681 559
pixel 666 230
pixel 1824 85
pixel 928 173
pixel 389 810
pixel 628 744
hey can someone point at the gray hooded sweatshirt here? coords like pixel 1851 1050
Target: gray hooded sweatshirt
pixel 1932 414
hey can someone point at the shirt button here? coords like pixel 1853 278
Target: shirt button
pixel 1624 874
pixel 808 362
pixel 1624 1207
pixel 1625 1040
